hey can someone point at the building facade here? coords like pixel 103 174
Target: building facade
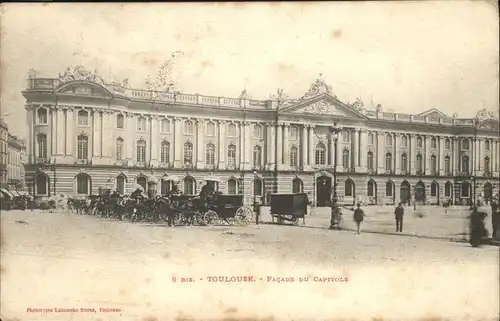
pixel 84 133
pixel 4 134
pixel 16 149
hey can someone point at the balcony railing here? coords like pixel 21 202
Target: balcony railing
pixel 82 161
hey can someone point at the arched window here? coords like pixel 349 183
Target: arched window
pixel 388 140
pixel 433 164
pixel 320 153
pixel 232 186
pixel 42 116
pixel 141 151
pixel 231 155
pixel 465 164
pixel 297 185
pixel 294 152
pixel 434 189
pixel 447 143
pixel 119 121
pixel 210 155
pixel 142 181
pixel 188 153
pixel 433 142
pixel 257 131
pixel 487 164
pixel 419 164
pixel 41 184
pixel 188 127
pixel 189 188
pixel 419 142
pixel 210 129
pixel 486 144
pixel 83 184
pixel 141 124
pixel 120 184
pixel 165 152
pixel 165 186
pixel 448 189
pixel 165 126
pixel 258 187
pixel 388 162
pixel 348 188
pixel 465 143
pixel 369 160
pixel 83 118
pixel 42 146
pixel 83 147
pixel 257 156
pixel 372 188
pixel 345 159
pixel 389 188
pixel 231 130
pixel 447 165
pixel 404 162
pixel 119 149
pixel 465 189
pixel 404 141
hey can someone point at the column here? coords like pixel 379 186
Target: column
pixel 178 142
pixel 355 149
pixel 312 161
pixel 440 142
pixel 130 138
pixel 70 138
pixel 53 133
pixel 412 157
pixel 494 160
pixel 363 149
pixel 30 150
pixel 242 152
pixel 380 153
pixel 397 157
pixel 427 158
pixel 222 144
pixel 280 146
pixel 107 138
pixel 286 145
pixel 270 146
pixel 480 156
pixel 248 147
pixel 303 145
pixel 153 138
pixel 456 157
pixel 60 131
pixel 331 148
pixel 96 134
pixel 200 146
pixel 338 153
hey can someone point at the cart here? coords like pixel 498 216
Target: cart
pixel 228 209
pixel 289 208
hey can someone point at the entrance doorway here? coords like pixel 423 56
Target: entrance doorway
pixel 323 190
pixel 488 192
pixel 420 192
pixel 404 192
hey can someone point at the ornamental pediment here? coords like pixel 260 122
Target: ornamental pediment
pixel 489 124
pixel 326 105
pixel 83 88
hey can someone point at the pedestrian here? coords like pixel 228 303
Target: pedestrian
pixel 358 217
pixel 399 213
pixel 495 216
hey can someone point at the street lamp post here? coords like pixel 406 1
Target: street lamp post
pixel 335 212
pixel 474 160
pixel 256 208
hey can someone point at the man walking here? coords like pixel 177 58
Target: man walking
pixel 359 215
pixel 495 216
pixel 399 213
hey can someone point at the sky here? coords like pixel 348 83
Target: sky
pixel 407 56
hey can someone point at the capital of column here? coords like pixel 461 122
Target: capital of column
pixel 221 121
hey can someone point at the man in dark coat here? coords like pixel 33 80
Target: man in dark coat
pixel 399 213
pixel 495 216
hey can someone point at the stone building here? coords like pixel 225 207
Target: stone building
pixel 15 166
pixel 4 134
pixel 84 133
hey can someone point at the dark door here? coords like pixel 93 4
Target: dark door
pixel 323 191
pixel 404 192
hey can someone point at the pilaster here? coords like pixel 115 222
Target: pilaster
pixel 286 145
pixel 304 149
pixel 338 154
pixel 427 157
pixel 311 144
pixel 154 147
pixel 355 150
pixel 178 142
pixel 279 161
pixel 60 132
pixel 270 146
pixel 441 155
pixel 248 148
pixel 200 129
pixel 222 144
pixel 397 158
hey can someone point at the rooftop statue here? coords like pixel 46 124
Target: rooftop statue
pixel 486 114
pixel 358 104
pixel 31 73
pixel 318 87
pixel 80 73
pixel 244 94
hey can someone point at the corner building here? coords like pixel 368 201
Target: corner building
pixel 84 133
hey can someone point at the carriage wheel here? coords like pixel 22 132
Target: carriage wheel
pixel 148 216
pixel 200 219
pixel 295 220
pixel 210 218
pixel 243 215
pixel 178 219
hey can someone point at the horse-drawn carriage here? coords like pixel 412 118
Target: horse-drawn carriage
pixel 289 207
pixel 228 209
